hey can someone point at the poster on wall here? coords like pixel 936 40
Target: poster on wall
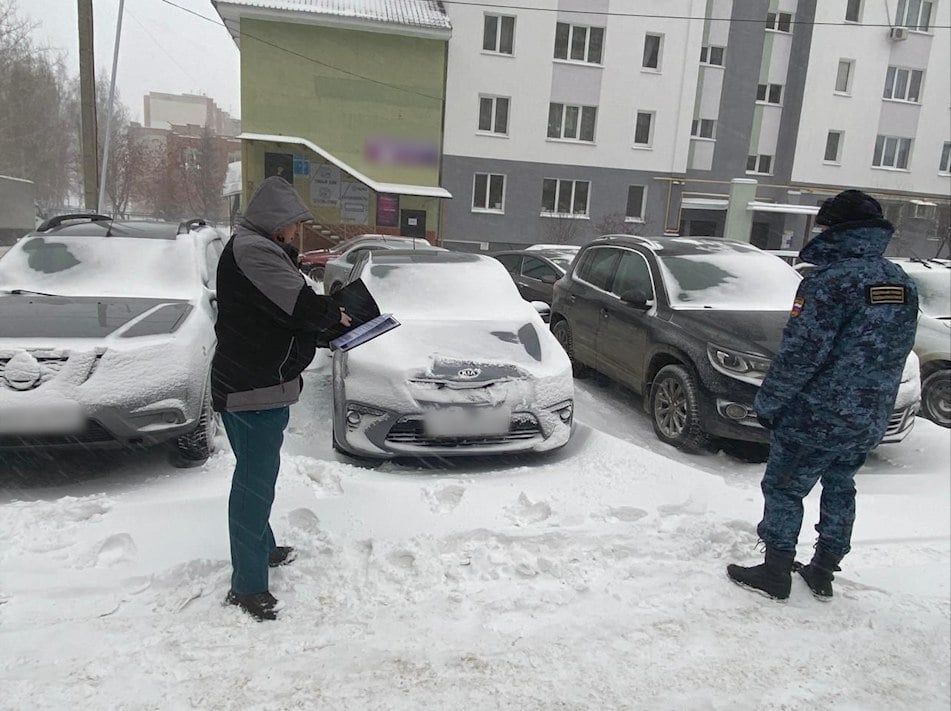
pixel 387 210
pixel 280 164
pixel 354 203
pixel 301 165
pixel 325 185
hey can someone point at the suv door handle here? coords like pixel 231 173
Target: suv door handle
pixel 571 298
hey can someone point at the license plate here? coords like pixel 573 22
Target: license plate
pixel 468 422
pixel 42 418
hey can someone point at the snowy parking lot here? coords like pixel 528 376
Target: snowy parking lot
pixel 590 578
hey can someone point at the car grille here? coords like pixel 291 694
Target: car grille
pixel 49 368
pixel 899 421
pixel 411 431
pixel 94 433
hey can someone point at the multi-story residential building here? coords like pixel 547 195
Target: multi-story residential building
pixel 163 111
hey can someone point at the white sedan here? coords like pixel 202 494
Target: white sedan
pixel 471 370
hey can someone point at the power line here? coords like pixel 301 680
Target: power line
pixel 162 49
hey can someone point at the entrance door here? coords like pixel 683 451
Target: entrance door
pixel 413 223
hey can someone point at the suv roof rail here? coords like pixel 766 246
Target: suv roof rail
pixel 55 222
pixel 188 225
pixel 646 241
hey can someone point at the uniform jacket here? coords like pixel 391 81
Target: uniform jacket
pixel 834 380
pixel 268 317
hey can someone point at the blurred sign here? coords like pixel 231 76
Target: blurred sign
pixel 301 165
pixel 387 210
pixel 325 185
pixel 381 150
pixel 354 203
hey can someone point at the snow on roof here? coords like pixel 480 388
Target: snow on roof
pixel 414 14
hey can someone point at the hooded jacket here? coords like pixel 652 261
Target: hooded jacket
pixel 833 382
pixel 268 317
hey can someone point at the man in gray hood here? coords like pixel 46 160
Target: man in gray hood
pixel 267 328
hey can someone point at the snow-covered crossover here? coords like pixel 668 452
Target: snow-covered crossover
pixel 472 370
pixel 107 334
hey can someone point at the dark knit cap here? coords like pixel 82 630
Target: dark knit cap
pixel 849 206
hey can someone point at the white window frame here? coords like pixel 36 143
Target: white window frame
pixel 892 76
pixel 857 6
pixel 564 114
pixel 767 93
pixel 508 115
pixel 572 214
pixel 488 193
pixel 914 24
pixel 881 150
pixel 698 126
pixel 660 53
pixel 837 160
pixel 636 218
pixel 498 34
pixel 572 29
pixel 650 137
pixel 758 170
pixel 706 55
pixel 775 19
pixel 850 63
pixel 944 162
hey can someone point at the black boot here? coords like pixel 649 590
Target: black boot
pixel 819 574
pixel 282 555
pixel 772 578
pixel 261 606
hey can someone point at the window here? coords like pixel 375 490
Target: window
pixel 761 164
pixel 632 274
pixel 494 114
pixel 833 146
pixel 945 165
pixel 578 43
pixel 597 266
pixel 652 47
pixel 498 34
pixel 770 93
pixel 914 14
pixel 853 10
pixel 843 77
pixel 635 203
pixel 903 84
pixel 712 55
pixel 534 268
pixel 565 197
pixel 779 21
pixel 511 262
pixel 703 128
pixel 892 152
pixel 573 123
pixel 488 192
pixel 924 210
pixel 644 128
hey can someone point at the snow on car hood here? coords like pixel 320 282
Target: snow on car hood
pixel 437 362
pixel 757 332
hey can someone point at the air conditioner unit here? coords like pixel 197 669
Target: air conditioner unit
pixel 898 33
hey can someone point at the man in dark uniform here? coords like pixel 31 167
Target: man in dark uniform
pixel 830 390
pixel 268 320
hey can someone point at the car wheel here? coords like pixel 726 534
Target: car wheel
pixel 316 273
pixel 562 333
pixel 675 409
pixel 936 397
pixel 196 446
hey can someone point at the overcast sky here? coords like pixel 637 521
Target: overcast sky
pixel 162 48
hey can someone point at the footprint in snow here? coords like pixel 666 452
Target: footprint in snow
pixel 689 507
pixel 627 514
pixel 327 481
pixel 444 500
pixel 523 512
pixel 118 548
pixel 403 559
pixel 305 520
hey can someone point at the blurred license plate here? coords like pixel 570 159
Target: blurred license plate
pixel 468 422
pixel 42 418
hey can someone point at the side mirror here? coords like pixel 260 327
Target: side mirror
pixel 548 279
pixel 637 298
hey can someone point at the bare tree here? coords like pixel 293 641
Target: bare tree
pixel 204 168
pixel 616 224
pixel 561 229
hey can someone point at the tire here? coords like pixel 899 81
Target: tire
pixel 675 410
pixel 936 397
pixel 316 273
pixel 562 333
pixel 196 446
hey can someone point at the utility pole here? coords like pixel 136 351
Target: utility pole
pixel 87 92
pixel 112 96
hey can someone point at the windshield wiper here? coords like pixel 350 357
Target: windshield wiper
pixel 22 292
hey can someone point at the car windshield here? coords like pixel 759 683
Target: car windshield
pixel 729 277
pixel 934 291
pixel 78 265
pixel 561 260
pixel 471 291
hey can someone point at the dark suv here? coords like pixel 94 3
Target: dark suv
pixel 689 323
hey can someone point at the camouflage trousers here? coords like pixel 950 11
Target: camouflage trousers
pixel 791 473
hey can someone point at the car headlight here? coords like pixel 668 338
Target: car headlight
pixel 743 366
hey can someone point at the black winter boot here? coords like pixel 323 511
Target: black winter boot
pixel 261 606
pixel 772 578
pixel 281 555
pixel 819 574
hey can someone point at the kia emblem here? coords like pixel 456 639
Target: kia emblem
pixel 469 373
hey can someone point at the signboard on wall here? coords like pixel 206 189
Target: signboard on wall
pixel 387 210
pixel 354 203
pixel 280 164
pixel 325 185
pixel 301 165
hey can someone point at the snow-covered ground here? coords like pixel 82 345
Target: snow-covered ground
pixel 591 578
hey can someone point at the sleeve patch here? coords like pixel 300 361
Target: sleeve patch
pixel 883 294
pixel 797 307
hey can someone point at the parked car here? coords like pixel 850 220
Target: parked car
pixel 313 263
pixel 471 370
pixel 107 335
pixel 691 324
pixel 337 270
pixel 536 271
